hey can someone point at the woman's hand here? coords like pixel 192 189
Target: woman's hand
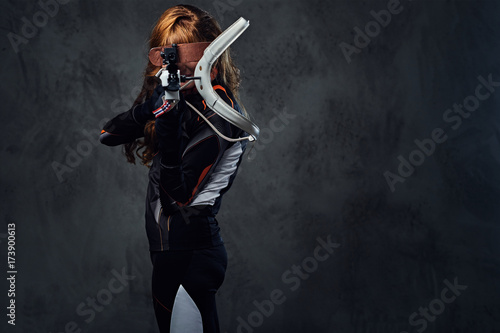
pixel 144 112
pixel 156 100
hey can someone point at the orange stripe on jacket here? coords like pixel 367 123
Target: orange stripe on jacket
pixel 203 174
pixel 222 88
pixel 103 131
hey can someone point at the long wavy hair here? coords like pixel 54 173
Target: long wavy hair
pixel 179 24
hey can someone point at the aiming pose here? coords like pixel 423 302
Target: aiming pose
pixel 190 165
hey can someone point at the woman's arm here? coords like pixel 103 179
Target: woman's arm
pixel 121 129
pixel 129 126
pixel 182 175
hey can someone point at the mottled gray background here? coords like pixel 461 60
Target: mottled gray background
pixel 320 175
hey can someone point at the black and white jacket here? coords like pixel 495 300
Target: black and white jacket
pixel 190 172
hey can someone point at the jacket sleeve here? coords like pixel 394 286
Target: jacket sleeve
pixel 121 129
pixel 129 125
pixel 186 164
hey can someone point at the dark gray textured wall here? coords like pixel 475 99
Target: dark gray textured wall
pixel 317 177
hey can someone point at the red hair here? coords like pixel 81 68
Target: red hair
pixel 179 24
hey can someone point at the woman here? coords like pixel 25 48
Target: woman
pixel 190 168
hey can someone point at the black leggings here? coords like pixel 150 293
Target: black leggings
pixel 201 273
